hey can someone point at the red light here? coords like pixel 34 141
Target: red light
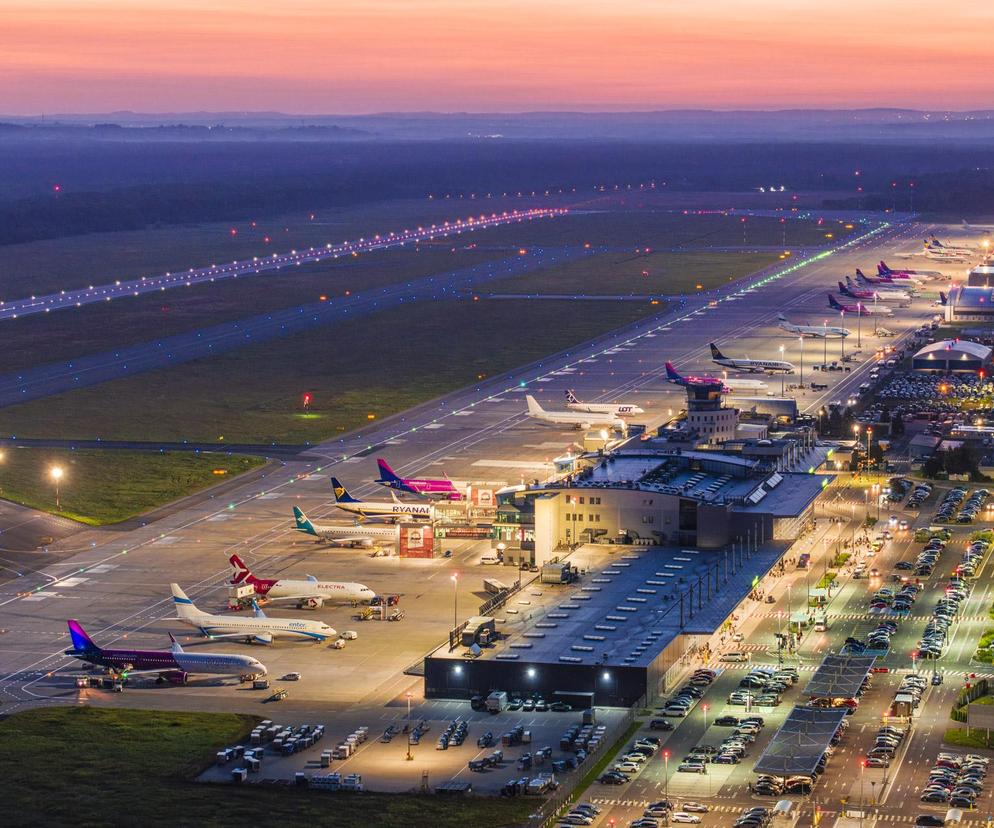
pixel 307 400
pixel 234 232
pixel 57 188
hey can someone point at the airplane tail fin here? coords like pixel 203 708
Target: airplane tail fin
pixel 257 610
pixel 185 608
pixel 671 373
pixel 533 406
pixel 715 353
pixel 387 475
pixel 781 318
pixel 943 299
pixel 80 640
pixel 860 274
pixel 844 290
pixel 240 572
pixel 882 267
pixel 341 493
pixel 571 397
pixel 832 303
pixel 175 647
pixel 303 524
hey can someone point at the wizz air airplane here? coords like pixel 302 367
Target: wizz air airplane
pixel 440 488
pixel 859 309
pixel 853 291
pixel 727 385
pixel 753 366
pixel 257 628
pixel 825 331
pixel 883 270
pixel 361 536
pixel 943 300
pixel 309 593
pixel 390 509
pixel 574 419
pixel 173 665
pixel 615 409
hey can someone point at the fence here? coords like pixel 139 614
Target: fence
pixel 499 599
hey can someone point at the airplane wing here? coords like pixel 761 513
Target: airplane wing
pixel 262 637
pixel 349 538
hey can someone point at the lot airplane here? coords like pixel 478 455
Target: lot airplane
pixel 574 419
pixel 257 628
pixel 615 409
pixel 393 508
pixel 754 366
pixel 727 385
pixel 441 488
pixel 173 665
pixel 859 309
pixel 854 291
pixel 364 536
pixel 977 228
pixel 883 270
pixel 309 593
pixel 934 249
pixel 825 331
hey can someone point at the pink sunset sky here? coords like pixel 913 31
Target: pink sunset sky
pixel 361 56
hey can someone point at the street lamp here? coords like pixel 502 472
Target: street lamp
pixel 842 339
pixel 409 695
pixel 801 340
pixel 57 473
pixel 455 600
pixel 666 775
pixel 862 767
pixel 781 373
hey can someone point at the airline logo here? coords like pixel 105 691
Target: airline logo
pixel 339 492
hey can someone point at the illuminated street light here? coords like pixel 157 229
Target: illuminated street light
pixel 57 473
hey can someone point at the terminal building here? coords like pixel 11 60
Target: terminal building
pixel 970 303
pixel 666 543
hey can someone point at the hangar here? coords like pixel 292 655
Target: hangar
pixel 952 355
pixel 970 303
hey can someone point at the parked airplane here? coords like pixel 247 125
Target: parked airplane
pixel 574 419
pixel 943 300
pixel 173 665
pixel 901 279
pixel 394 508
pixel 256 628
pixel 615 409
pixel 754 366
pixel 853 291
pixel 441 488
pixel 727 385
pixel 860 308
pixel 978 228
pixel 364 536
pixel 883 270
pixel 934 249
pixel 309 593
pixel 825 331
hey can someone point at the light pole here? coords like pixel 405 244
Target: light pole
pixel 781 373
pixel 409 694
pixel 455 600
pixel 57 473
pixel 855 434
pixel 824 342
pixel 862 767
pixel 859 324
pixel 801 338
pixel 666 775
pixel 842 338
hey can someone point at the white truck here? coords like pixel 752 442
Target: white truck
pixel 497 701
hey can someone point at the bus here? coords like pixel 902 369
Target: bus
pixel 804 560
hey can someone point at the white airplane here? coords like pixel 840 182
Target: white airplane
pixel 310 592
pixel 576 419
pixel 934 249
pixel 818 331
pixel 753 366
pixel 257 628
pixel 979 228
pixel 737 384
pixel 390 509
pixel 615 409
pixel 365 536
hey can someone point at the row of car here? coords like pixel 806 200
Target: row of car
pixel 888 740
pixel 919 495
pixel 683 701
pixel 927 558
pixel 753 818
pixel 886 599
pixel 955 779
pixel 972 558
pixel 631 762
pixel 663 812
pixel 936 631
pixel 583 813
pixel 455 734
pixel 877 639
pixel 735 747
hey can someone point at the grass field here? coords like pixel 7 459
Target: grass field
pixel 639 274
pixel 33 340
pixel 100 487
pixel 81 766
pixel 255 394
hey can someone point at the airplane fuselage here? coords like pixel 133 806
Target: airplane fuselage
pixel 400 511
pixel 756 366
pixel 221 664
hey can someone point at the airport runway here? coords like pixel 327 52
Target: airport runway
pixel 117 583
pixel 17 308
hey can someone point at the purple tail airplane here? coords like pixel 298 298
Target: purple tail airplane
pixel 442 488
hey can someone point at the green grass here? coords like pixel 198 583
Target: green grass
pixel 101 487
pixel 81 766
pixel 840 559
pixel 826 580
pixel 622 273
pixel 607 758
pixel 33 340
pixel 254 394
pixel 977 739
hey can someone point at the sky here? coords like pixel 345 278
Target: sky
pixel 363 56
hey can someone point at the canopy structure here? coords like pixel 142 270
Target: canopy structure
pixel 800 742
pixel 839 676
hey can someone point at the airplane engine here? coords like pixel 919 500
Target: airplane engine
pixel 177 677
pixel 312 603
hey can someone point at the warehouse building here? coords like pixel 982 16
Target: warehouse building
pixel 949 355
pixel 970 304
